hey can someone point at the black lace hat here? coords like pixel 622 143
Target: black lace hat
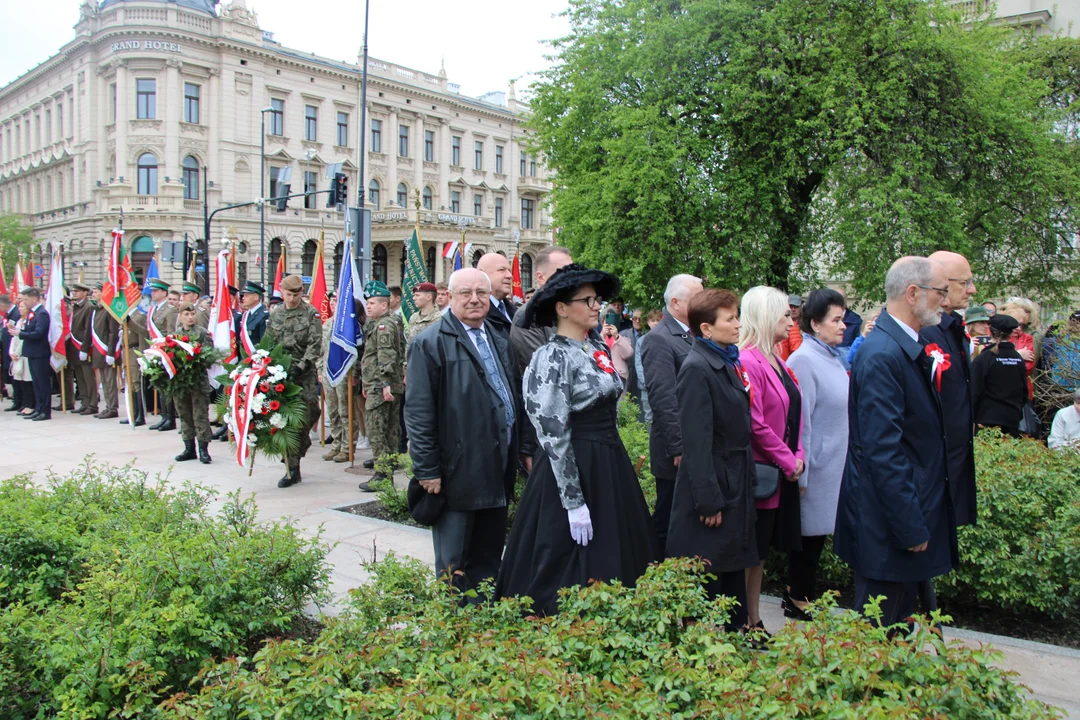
pixel 541 309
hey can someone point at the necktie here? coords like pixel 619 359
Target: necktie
pixel 493 373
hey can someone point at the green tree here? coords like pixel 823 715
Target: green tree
pixel 790 141
pixel 15 239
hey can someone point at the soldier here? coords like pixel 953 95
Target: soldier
pixel 102 336
pixel 296 327
pixel 82 310
pixel 193 406
pixel 190 293
pixel 382 369
pixel 427 314
pixel 337 400
pixel 160 319
pixel 136 327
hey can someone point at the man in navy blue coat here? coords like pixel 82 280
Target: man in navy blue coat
pixel 895 523
pixel 36 350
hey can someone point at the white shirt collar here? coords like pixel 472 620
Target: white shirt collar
pixel 684 326
pixel 907 328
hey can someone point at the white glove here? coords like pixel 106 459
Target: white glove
pixel 110 360
pixel 580 525
pixel 83 356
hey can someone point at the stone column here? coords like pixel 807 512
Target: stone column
pixel 390 191
pixel 124 98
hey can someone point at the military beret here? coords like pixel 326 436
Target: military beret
pixel 376 288
pixel 233 290
pixel 192 288
pixel 426 287
pixel 158 284
pixel 80 286
pixel 293 283
pixel 254 288
pixel 186 306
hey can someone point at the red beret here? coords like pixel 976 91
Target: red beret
pixel 425 287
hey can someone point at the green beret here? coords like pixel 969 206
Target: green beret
pixel 254 288
pixel 159 284
pixel 191 288
pixel 376 288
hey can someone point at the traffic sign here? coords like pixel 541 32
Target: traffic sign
pixel 39 271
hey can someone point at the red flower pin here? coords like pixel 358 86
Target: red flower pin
pixel 603 362
pixel 942 362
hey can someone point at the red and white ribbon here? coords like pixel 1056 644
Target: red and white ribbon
pixel 160 349
pixel 241 399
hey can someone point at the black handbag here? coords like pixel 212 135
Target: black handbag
pixel 768 480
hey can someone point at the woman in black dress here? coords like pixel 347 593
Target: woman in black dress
pixel 582 516
pixel 712 512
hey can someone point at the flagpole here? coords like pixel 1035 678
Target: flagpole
pixel 351 443
pixel 322 416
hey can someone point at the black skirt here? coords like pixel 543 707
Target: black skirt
pixel 541 557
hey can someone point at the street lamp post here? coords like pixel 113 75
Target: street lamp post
pixel 262 190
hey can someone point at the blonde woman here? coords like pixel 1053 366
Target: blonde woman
pixel 1026 313
pixel 776 430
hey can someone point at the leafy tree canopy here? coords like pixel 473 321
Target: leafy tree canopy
pixel 15 240
pixel 789 142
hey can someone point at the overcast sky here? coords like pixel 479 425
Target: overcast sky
pixel 485 43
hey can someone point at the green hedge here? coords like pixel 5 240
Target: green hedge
pixel 115 589
pixel 405 649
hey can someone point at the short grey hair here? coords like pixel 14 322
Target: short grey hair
pixel 904 273
pixel 458 275
pixel 679 287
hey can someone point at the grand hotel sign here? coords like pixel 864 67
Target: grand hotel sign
pixel 159 45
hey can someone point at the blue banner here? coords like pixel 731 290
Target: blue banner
pixel 151 274
pixel 346 335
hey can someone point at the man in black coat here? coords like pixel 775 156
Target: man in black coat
pixel 462 398
pixel 501 310
pixel 895 523
pixel 36 350
pixel 9 312
pixel 663 350
pixel 250 323
pixel 951 337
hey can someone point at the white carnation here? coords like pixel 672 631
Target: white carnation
pixel 277 420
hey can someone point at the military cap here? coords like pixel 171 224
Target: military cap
pixel 186 305
pixel 254 288
pixel 80 286
pixel 159 284
pixel 293 283
pixel 99 286
pixel 426 287
pixel 192 288
pixel 376 288
pixel 233 291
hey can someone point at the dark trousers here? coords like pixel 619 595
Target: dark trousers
pixel 899 602
pixel 803 567
pixel 665 492
pixel 24 394
pixel 733 585
pixel 403 441
pixel 41 377
pixel 469 546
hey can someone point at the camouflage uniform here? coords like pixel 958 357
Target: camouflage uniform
pixel 337 403
pixel 193 407
pixel 420 322
pixel 299 331
pixel 382 366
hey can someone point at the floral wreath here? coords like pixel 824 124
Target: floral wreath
pixel 176 366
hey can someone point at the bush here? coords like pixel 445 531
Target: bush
pixel 114 591
pixel 405 649
pixel 635 438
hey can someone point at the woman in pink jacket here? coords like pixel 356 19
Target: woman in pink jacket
pixel 776 424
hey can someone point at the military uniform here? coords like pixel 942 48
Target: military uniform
pixel 193 407
pixel 336 400
pixel 202 313
pixel 79 354
pixel 160 321
pixel 299 331
pixel 102 337
pixel 383 366
pixel 421 321
pixel 136 326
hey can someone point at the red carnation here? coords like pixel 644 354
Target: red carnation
pixel 264 387
pixel 265 412
pixel 197 350
pixel 171 355
pixel 170 342
pixel 186 339
pixel 274 404
pixel 280 387
pixel 273 431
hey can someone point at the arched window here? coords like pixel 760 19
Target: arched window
pixel 476 257
pixel 526 272
pixel 191 178
pixel 402 195
pixel 404 257
pixel 339 250
pixel 428 198
pixel 373 194
pixel 142 252
pixel 378 263
pixel 147 174
pixel 272 260
pixel 431 264
pixel 307 260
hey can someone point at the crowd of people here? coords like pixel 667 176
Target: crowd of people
pixel 775 421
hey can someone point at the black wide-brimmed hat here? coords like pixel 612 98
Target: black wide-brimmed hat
pixel 541 309
pixel 424 507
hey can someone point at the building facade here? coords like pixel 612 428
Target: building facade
pixel 158 108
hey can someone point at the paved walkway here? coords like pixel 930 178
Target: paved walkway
pixel 62 444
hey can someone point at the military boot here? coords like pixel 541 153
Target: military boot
pixel 291 477
pixel 331 453
pixel 189 452
pixel 204 453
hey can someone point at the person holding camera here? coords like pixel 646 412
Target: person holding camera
pixel 622 352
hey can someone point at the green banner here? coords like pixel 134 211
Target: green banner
pixel 415 273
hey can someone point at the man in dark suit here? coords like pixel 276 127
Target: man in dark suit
pixel 251 322
pixel 895 523
pixel 8 312
pixel 956 405
pixel 462 400
pixel 663 350
pixel 36 350
pixel 501 311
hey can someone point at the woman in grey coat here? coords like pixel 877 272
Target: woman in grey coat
pixel 823 379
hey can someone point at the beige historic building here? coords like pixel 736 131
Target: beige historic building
pixel 157 106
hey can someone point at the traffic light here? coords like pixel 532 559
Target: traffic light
pixel 339 191
pixel 282 201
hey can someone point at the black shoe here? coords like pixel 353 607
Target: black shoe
pixel 139 422
pixel 158 424
pixel 292 477
pixel 189 452
pixel 170 425
pixel 221 433
pixel 13 408
pixel 369 463
pixel 39 418
pixel 204 454
pixel 366 487
pixel 329 440
pixel 32 416
pixel 793 611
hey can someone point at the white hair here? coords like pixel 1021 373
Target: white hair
pixel 458 275
pixel 760 309
pixel 904 273
pixel 679 287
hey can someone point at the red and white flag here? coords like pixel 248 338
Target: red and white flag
pixel 59 319
pixel 222 329
pixel 278 276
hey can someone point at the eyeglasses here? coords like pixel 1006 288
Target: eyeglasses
pixel 940 291
pixel 966 282
pixel 466 294
pixel 591 301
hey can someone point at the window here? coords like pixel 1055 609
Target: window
pixel 376 136
pixel 532 166
pixel 311 182
pixel 524 160
pixel 455 150
pixel 427 198
pixel 273 256
pixel 402 195
pixel 373 194
pixel 343 129
pixel 147 174
pixel 191 178
pixel 146 97
pixel 60 121
pixel 526 214
pixel 403 141
pixel 429 146
pixel 498 212
pixel 275 172
pixel 277 117
pixel 311 123
pixel 477 205
pixel 112 101
pixel 48 127
pixel 455 201
pixel 499 159
pixel 478 155
pixel 431 264
pixel 307 259
pixel 476 257
pixel 378 263
pixel 526 272
pixel 191 103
